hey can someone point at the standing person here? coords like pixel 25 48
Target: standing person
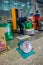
pixel 37 19
pixel 20 21
pixel 31 17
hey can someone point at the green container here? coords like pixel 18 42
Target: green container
pixel 8 30
pixel 28 25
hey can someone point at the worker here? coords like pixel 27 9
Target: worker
pixel 20 21
pixel 31 17
pixel 37 19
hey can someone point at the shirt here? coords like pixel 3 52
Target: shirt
pixel 37 16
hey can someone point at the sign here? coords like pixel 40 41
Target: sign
pixel 2 39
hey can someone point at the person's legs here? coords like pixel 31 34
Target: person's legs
pixel 37 24
pixel 21 28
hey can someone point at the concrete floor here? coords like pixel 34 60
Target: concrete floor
pixel 13 43
pixel 12 57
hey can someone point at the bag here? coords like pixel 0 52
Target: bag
pixel 28 25
pixel 8 31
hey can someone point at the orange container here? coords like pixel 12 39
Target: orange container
pixel 34 25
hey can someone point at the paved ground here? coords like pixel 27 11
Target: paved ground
pixel 13 43
pixel 11 57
